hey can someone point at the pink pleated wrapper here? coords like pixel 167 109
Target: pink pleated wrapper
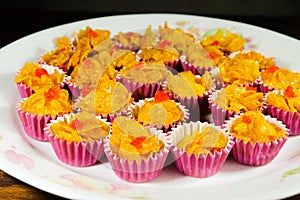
pixel 290 119
pixel 197 106
pixel 139 172
pixel 201 166
pixel 75 154
pixel 26 91
pixel 197 70
pixel 262 87
pixel 141 90
pixel 218 114
pixel 185 116
pixel 257 154
pixel 33 124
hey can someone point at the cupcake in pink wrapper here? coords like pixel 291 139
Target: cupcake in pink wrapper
pixel 192 91
pixel 258 138
pixel 77 139
pixel 200 149
pixel 40 108
pixel 109 99
pixel 33 77
pixel 242 71
pixel 88 75
pixel 278 78
pixel 144 79
pixel 283 105
pixel 234 99
pixel 159 112
pixel 136 154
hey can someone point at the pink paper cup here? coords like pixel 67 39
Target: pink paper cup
pixel 81 154
pixel 141 90
pixel 257 154
pixel 138 172
pixel 197 70
pixel 204 165
pixel 135 106
pixel 290 119
pixel 33 124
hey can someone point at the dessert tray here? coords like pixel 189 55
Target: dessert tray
pixel 34 162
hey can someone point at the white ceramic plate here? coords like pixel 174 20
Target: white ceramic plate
pixel 36 164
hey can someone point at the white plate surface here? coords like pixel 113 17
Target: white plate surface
pixel 36 164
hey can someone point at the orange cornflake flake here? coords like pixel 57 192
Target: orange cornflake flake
pixel 160 96
pixel 40 72
pixel 76 124
pixel 272 69
pixel 288 92
pixel 137 142
pixel 52 93
pixel 215 43
pixel 246 119
pixel 164 43
pixel 85 90
pixel 138 65
pixel 251 88
pixel 129 34
pixel 212 55
pixel 92 33
pixel 88 63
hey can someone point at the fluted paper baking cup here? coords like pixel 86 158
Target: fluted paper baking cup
pixel 197 70
pixel 33 124
pixel 79 154
pixel 257 154
pixel 204 165
pixel 135 106
pixel 139 172
pixel 290 119
pixel 141 90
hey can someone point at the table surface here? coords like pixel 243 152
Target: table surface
pixel 18 24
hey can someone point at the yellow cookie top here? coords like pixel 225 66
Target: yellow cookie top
pixel 222 43
pixel 207 141
pixel 289 100
pixel 109 97
pixel 239 70
pixel 159 111
pixel 239 98
pixel 131 141
pixel 186 84
pixel 37 77
pixel 252 126
pixel 280 78
pixel 53 101
pixel 147 73
pixel 81 127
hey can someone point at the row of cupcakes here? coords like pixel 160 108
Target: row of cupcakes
pixel 139 154
pixel 196 93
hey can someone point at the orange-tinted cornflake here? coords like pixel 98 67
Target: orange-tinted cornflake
pixel 138 65
pixel 251 88
pixel 52 93
pixel 215 43
pixel 212 55
pixel 85 90
pixel 92 33
pixel 288 92
pixel 129 34
pixel 160 96
pixel 40 72
pixel 138 142
pixel 272 69
pixel 164 43
pixel 246 119
pixel 76 124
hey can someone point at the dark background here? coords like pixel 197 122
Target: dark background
pixel 19 19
